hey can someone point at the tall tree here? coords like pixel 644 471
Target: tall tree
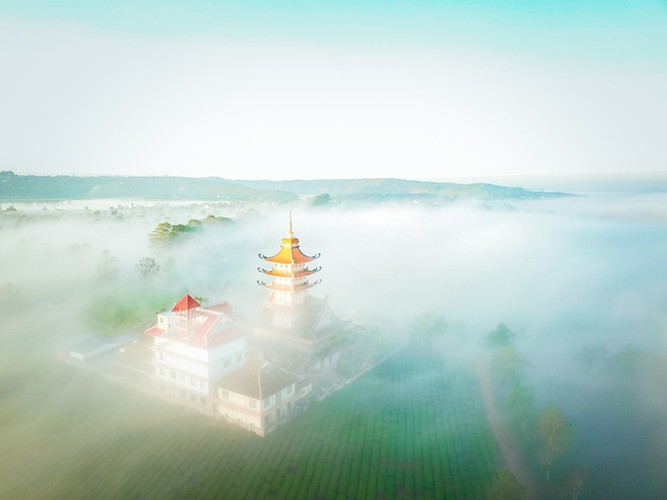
pixel 147 267
pixel 509 364
pixel 520 403
pixel 553 432
pixel 575 482
pixel 501 336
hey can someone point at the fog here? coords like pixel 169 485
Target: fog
pixel 569 276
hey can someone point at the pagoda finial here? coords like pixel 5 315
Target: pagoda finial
pixel 290 232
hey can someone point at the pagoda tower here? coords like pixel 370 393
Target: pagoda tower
pixel 290 274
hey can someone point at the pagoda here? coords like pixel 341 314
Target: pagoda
pixel 290 273
pixel 296 330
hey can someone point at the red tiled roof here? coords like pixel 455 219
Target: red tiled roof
pixel 223 307
pixel 186 303
pixel 198 338
pixel 155 331
pixel 218 338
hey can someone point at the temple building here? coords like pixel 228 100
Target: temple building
pixel 290 283
pixel 296 330
pixel 254 374
pixel 193 347
pixel 260 396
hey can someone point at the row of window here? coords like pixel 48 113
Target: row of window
pixel 187 364
pixel 183 378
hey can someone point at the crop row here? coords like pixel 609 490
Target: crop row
pixel 410 427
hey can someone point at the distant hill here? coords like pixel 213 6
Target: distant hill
pixel 33 187
pixel 359 189
pixel 67 187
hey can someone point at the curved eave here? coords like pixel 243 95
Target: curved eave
pixel 278 274
pixel 286 288
pixel 289 256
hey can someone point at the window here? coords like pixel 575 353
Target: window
pixel 290 390
pixel 252 403
pixel 279 396
pixel 227 362
pixel 224 394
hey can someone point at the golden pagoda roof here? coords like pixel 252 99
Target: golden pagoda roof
pixel 289 251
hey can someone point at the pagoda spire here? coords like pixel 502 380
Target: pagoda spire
pixel 290 232
pixel 289 272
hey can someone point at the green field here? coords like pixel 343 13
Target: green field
pixel 409 428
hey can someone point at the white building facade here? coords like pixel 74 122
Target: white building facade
pixel 193 347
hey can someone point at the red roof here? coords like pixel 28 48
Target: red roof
pixel 155 331
pixel 198 338
pixel 186 303
pixel 223 307
pixel 216 339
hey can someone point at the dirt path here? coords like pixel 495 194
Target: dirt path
pixel 512 454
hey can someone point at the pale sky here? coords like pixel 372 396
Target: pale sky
pixel 412 89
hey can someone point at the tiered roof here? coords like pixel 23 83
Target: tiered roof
pixel 289 250
pixel 278 273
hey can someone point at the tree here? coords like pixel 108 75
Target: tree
pixel 501 336
pixel 147 267
pixel 553 432
pixel 165 232
pixel 506 487
pixel 575 482
pixel 160 233
pixel 320 200
pixel 520 403
pixel 509 364
pixel 216 219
